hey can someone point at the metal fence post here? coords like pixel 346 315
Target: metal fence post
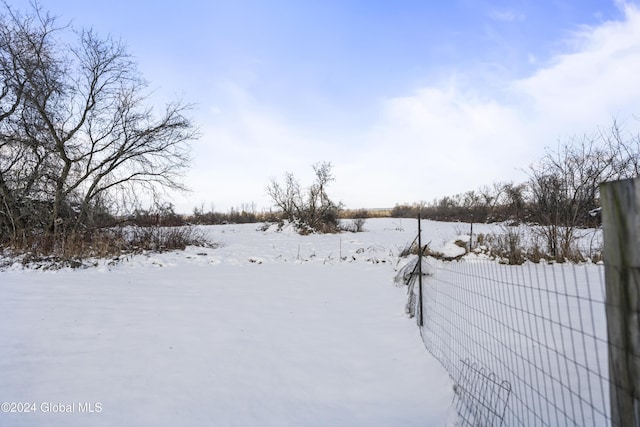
pixel 621 223
pixel 421 318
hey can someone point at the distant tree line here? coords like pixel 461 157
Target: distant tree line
pixel 560 196
pixel 79 143
pixel 245 214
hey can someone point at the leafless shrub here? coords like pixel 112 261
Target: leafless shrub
pixel 82 249
pixel 513 246
pixel 535 251
pixel 355 225
pixel 507 246
pixel 78 142
pixel 564 185
pixel 310 210
pixel 160 239
pixel 359 223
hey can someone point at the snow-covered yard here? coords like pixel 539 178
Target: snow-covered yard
pixel 269 329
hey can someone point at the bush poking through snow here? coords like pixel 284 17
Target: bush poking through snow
pixel 75 249
pixel 355 225
pixel 310 210
pixel 517 245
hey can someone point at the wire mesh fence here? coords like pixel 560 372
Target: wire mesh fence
pixel 525 345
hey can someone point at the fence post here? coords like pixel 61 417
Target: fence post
pixel 421 318
pixel 621 223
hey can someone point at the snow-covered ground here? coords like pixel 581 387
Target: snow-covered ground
pixel 269 329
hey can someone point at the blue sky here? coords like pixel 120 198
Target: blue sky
pixel 410 100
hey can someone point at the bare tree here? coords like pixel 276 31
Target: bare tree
pixel 287 196
pixel 625 149
pixel 25 46
pixel 311 210
pixel 515 200
pixel 564 185
pixel 76 131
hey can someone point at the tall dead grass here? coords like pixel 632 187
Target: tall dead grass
pixel 82 249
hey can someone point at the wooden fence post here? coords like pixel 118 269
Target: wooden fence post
pixel 621 223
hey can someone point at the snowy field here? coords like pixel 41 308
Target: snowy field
pixel 269 329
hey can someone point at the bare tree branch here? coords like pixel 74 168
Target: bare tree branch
pixel 76 128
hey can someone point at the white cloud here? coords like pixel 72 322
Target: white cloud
pixel 436 142
pixel 439 140
pixel 445 139
pixel 244 145
pixel 592 84
pixel 506 16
